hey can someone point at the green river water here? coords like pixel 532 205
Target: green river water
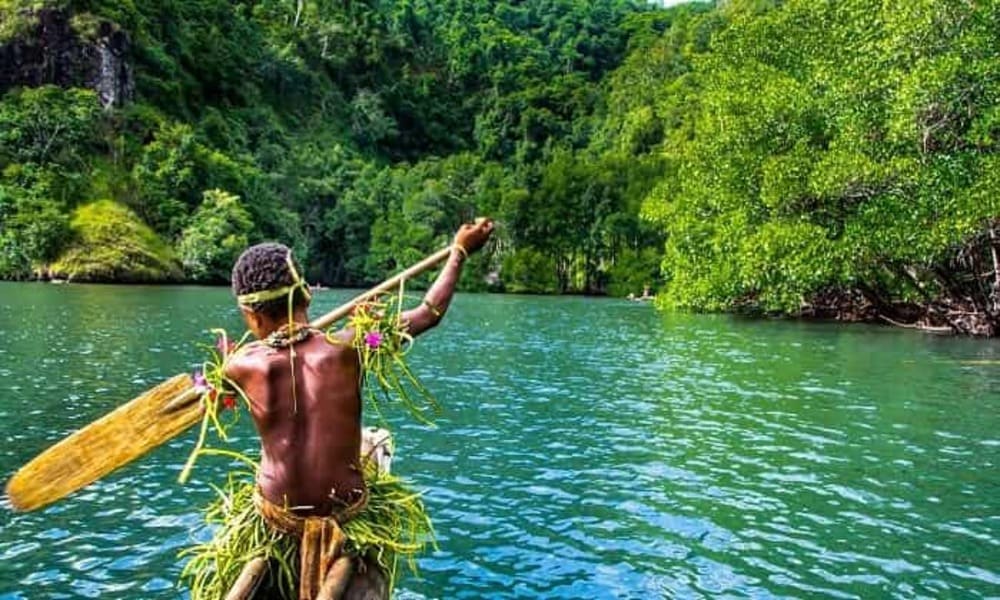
pixel 588 449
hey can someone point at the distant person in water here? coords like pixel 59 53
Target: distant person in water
pixel 645 295
pixel 306 404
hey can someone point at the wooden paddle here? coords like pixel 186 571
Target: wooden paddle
pixel 146 422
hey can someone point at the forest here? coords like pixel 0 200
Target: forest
pixel 799 157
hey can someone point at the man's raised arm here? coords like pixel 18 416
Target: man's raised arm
pixel 470 238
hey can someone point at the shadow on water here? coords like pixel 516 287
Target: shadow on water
pixel 588 449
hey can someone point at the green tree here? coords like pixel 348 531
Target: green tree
pixel 530 271
pixel 47 124
pixel 219 231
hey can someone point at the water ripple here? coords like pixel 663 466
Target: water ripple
pixel 589 449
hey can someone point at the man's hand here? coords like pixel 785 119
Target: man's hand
pixel 472 236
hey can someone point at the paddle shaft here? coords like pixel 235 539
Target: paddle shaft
pixel 386 286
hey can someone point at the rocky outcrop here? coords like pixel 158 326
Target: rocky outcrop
pixel 54 53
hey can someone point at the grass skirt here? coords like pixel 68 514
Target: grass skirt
pixel 393 525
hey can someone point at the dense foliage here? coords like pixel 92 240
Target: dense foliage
pixel 820 149
pixel 762 155
pixel 362 133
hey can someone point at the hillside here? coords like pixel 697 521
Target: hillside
pixel 780 158
pixel 361 133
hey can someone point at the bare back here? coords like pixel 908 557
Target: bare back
pixel 310 439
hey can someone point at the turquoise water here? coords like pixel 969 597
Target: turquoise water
pixel 589 449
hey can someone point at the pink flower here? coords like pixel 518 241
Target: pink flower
pixel 200 383
pixel 225 346
pixel 373 339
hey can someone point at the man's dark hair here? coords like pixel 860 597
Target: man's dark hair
pixel 265 267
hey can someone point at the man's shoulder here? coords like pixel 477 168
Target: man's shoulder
pixel 254 358
pixel 329 349
pixel 261 358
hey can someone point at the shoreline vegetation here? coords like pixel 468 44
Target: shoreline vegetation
pixel 846 314
pixel 752 156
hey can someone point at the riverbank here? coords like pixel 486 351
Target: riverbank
pixel 933 315
pixel 840 307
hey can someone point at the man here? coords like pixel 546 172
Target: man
pixel 304 393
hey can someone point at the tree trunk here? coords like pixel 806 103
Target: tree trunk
pixel 995 253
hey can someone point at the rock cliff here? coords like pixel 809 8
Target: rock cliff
pixel 52 50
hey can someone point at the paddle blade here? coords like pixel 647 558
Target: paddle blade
pixel 112 441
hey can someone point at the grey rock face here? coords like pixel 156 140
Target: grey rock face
pixel 54 54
